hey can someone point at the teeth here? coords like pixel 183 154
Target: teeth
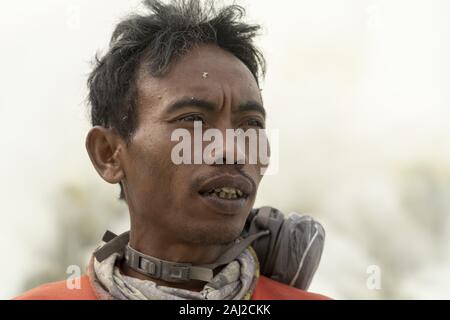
pixel 227 193
pixel 229 190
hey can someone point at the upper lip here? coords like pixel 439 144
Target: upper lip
pixel 235 181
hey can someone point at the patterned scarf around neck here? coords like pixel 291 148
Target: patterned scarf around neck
pixel 236 281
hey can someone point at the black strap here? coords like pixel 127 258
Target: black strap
pixel 114 245
pixel 168 270
pixel 236 249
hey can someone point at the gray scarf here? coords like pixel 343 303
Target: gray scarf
pixel 236 281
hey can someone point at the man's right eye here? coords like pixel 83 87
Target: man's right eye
pixel 191 118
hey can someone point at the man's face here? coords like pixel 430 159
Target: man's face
pixel 210 85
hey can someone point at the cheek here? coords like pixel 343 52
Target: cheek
pixel 257 178
pixel 150 165
pixel 258 157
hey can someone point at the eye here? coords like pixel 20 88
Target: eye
pixel 254 123
pixel 192 118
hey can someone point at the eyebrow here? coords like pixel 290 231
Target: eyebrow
pixel 191 102
pixel 252 106
pixel 211 106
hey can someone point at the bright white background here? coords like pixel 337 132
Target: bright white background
pixel 358 88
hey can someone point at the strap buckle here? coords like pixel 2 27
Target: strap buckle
pixel 179 273
pixel 157 268
pixel 146 265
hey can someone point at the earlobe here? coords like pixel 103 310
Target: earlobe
pixel 104 146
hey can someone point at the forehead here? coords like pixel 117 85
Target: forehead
pixel 206 71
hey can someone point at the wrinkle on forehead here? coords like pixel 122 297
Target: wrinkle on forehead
pixel 228 80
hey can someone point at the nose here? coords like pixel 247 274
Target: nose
pixel 230 152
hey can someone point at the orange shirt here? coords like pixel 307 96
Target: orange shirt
pixel 266 289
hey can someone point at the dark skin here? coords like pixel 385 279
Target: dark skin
pixel 168 218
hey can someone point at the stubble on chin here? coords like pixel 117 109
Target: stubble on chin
pixel 213 234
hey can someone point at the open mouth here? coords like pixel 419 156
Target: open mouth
pixel 226 194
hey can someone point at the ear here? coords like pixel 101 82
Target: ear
pixel 104 147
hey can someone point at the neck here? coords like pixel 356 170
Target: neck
pixel 166 247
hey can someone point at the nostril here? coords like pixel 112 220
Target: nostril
pixel 223 160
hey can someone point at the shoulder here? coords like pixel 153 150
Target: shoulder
pixel 60 291
pixel 268 289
